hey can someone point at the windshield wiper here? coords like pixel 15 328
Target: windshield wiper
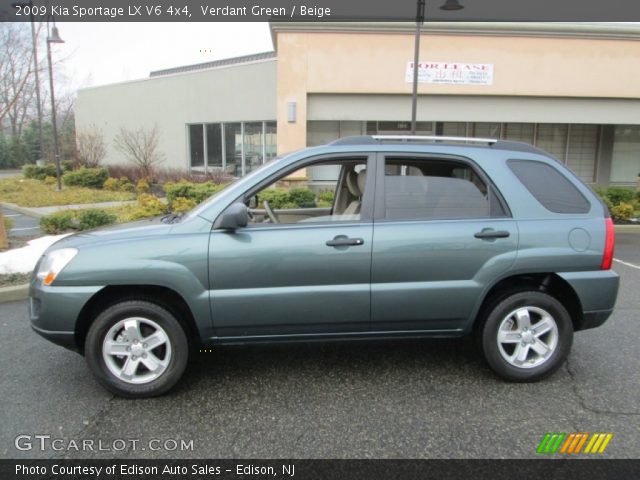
pixel 172 217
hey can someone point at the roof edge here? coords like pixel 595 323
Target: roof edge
pixel 521 29
pixel 233 61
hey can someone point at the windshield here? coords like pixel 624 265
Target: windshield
pixel 246 179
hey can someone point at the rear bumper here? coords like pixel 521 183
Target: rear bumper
pixel 597 292
pixel 593 319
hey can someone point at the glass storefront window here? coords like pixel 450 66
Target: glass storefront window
pixel 233 148
pixel 583 151
pixel 237 147
pixel 518 132
pixel 270 145
pixel 196 145
pixel 625 162
pixel 552 138
pixel 214 145
pixel 252 145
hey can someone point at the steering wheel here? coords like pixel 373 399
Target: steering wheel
pixel 272 216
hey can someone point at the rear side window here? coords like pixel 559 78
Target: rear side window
pixel 550 187
pixel 435 189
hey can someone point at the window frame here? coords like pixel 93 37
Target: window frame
pixel 366 211
pixel 493 192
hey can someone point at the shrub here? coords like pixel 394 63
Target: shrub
pixel 623 211
pixel 9 223
pixel 182 204
pixel 302 197
pixel 325 198
pixel 148 206
pixel 48 180
pixel 277 197
pixel 86 177
pixel 118 185
pixel 618 195
pixel 94 218
pixel 142 186
pixel 58 222
pixel 198 192
pixel 67 166
pixel 111 184
pixel 299 197
pixel 130 172
pixel 66 220
pixel 39 172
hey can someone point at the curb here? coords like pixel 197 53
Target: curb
pixel 14 293
pixel 627 228
pixel 23 210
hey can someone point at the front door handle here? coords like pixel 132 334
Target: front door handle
pixel 489 233
pixel 344 241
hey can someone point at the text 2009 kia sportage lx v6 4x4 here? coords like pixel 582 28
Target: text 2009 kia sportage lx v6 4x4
pixel 391 237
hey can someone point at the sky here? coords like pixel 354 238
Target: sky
pixel 102 53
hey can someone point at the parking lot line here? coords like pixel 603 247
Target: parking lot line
pixel 26 228
pixel 627 263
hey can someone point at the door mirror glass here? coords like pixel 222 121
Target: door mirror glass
pixel 236 216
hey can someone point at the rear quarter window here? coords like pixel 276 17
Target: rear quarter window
pixel 549 186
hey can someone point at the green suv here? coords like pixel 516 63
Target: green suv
pixel 367 237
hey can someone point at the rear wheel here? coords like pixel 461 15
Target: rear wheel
pixel 137 349
pixel 527 336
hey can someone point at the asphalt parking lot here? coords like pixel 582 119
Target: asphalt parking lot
pixel 416 399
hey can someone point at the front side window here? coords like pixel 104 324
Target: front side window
pixel 327 191
pixel 435 189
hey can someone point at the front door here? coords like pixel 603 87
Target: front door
pixel 303 265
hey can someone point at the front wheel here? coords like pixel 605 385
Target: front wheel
pixel 527 336
pixel 137 349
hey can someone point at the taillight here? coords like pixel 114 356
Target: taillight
pixel 609 244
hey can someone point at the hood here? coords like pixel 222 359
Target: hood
pixel 115 233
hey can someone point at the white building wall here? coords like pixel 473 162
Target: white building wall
pixel 234 93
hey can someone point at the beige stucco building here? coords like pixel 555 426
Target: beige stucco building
pixel 571 89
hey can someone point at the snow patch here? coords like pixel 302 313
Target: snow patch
pixel 23 260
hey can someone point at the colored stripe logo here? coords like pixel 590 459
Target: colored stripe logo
pixel 574 443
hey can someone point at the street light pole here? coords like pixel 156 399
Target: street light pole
pixel 416 59
pixel 54 37
pixel 448 5
pixel 37 79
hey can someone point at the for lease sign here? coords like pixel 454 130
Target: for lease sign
pixel 452 73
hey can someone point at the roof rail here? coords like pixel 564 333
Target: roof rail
pixel 432 138
pixel 374 139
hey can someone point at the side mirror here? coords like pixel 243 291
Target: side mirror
pixel 236 216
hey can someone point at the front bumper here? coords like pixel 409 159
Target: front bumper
pixel 54 311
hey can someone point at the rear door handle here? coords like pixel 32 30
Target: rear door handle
pixel 489 233
pixel 344 241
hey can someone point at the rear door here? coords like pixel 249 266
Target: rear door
pixel 442 234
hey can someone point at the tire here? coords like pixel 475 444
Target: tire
pixel 127 365
pixel 526 336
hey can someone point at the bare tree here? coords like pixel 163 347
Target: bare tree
pixel 91 147
pixel 140 146
pixel 17 82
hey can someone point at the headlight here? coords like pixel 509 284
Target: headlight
pixel 53 263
